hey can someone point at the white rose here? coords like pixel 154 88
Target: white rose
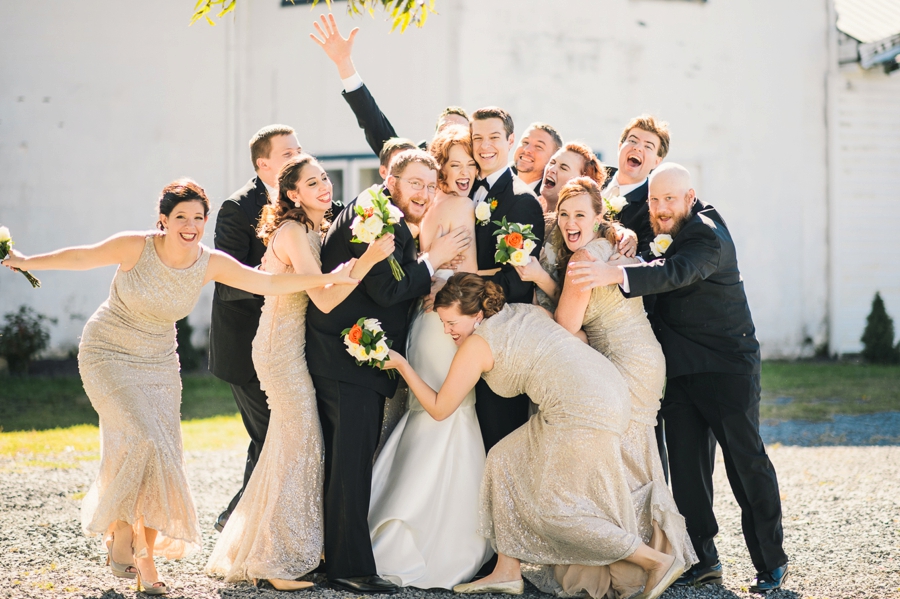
pixel 396 214
pixel 482 211
pixel 528 246
pixel 4 235
pixel 372 324
pixel 519 258
pixel 360 353
pixel 616 203
pixel 660 244
pixel 365 200
pixel 500 238
pixel 381 351
pixel 359 230
pixel 374 225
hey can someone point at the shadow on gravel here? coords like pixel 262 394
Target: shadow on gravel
pixel 862 430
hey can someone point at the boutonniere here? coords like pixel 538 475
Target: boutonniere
pixel 660 244
pixel 614 206
pixel 484 210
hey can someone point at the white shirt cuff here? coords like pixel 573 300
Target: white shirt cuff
pixel 624 284
pixel 424 258
pixel 352 83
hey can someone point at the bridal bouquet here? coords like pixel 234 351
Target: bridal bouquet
pixel 6 242
pixel 515 243
pixel 367 343
pixel 376 217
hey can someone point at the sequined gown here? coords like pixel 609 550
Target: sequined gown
pixel 131 374
pixel 618 328
pixel 276 530
pixel 555 491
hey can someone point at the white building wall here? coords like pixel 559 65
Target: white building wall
pixel 865 201
pixel 144 99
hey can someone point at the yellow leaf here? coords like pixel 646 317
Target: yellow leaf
pixel 210 21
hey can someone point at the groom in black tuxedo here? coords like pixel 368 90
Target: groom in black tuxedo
pixel 235 313
pixel 350 397
pixel 492 139
pixel 702 320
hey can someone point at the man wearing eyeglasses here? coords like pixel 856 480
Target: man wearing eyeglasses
pixel 350 397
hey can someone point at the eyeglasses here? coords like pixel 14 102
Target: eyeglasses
pixel 418 185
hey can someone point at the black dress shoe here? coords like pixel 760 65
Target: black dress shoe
pixel 222 520
pixel 770 581
pixel 364 584
pixel 698 577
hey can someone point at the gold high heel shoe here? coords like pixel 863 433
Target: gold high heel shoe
pixel 284 585
pixel 151 590
pixel 120 570
pixel 513 587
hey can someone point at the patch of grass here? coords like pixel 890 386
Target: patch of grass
pixel 50 403
pixel 819 390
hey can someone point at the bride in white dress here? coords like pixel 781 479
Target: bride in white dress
pixel 423 514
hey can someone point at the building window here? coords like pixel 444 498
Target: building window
pixel 350 174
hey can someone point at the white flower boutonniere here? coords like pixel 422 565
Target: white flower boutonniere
pixel 484 210
pixel 614 205
pixel 660 244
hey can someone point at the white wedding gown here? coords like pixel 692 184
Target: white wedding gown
pixel 423 514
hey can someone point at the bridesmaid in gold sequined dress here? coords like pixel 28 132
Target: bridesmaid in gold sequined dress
pixel 555 492
pixel 141 501
pixel 275 532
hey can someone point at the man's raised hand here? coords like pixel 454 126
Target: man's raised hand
pixel 338 48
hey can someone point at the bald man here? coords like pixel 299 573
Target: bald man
pixel 703 322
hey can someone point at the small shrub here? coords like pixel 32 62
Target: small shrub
pixel 189 356
pixel 878 336
pixel 23 336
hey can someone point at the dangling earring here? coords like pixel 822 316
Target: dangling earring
pixel 596 227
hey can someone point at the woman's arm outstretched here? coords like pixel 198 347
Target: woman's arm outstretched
pixel 473 358
pixel 122 248
pixel 225 269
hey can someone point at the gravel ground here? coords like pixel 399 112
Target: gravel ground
pixel 841 521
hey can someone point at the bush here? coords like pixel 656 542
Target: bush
pixel 190 357
pixel 878 336
pixel 23 336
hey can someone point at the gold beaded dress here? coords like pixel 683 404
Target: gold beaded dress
pixel 276 530
pixel 130 372
pixel 618 328
pixel 555 491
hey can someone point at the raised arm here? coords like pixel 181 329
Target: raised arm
pixel 225 269
pixel 292 242
pixel 377 127
pixel 473 358
pixel 123 249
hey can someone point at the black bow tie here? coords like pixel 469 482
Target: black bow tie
pixel 479 183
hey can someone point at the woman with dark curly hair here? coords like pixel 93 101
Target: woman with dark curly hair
pixel 555 492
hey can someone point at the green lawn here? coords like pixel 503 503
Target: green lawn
pixel 818 390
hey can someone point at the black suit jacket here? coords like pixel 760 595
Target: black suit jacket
pixel 235 313
pixel 518 204
pixel 379 296
pixel 701 316
pixel 636 214
pixel 377 127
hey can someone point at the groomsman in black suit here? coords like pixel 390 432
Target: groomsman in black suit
pixel 235 313
pixel 350 397
pixel 539 142
pixel 371 119
pixel 702 320
pixel 492 140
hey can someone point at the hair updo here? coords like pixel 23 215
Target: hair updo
pixel 284 208
pixel 178 191
pixel 472 293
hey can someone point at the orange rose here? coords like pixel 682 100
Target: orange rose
pixel 369 212
pixel 514 240
pixel 355 334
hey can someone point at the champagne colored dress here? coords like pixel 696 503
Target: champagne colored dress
pixel 276 530
pixel 131 374
pixel 555 491
pixel 618 328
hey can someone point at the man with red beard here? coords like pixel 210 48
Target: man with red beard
pixel 351 397
pixel 702 320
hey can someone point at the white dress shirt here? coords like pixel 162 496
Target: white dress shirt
pixel 352 83
pixel 623 189
pixel 482 193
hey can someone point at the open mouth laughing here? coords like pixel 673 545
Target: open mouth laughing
pixel 463 184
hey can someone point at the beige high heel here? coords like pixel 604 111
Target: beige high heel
pixel 280 584
pixel 151 590
pixel 120 570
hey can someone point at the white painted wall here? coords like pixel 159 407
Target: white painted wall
pixel 143 99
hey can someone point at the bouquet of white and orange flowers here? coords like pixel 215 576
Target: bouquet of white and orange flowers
pixel 515 242
pixel 367 342
pixel 6 243
pixel 376 217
